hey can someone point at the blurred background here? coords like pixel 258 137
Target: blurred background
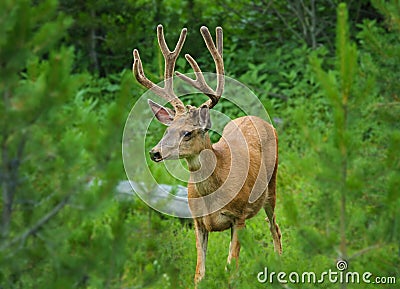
pixel 328 74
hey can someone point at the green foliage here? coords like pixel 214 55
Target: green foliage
pixel 105 32
pixel 52 149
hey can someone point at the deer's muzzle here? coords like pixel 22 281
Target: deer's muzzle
pixel 155 155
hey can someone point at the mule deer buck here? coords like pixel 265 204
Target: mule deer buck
pixel 230 180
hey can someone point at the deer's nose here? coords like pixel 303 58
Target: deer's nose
pixel 155 155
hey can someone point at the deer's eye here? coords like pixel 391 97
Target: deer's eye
pixel 187 135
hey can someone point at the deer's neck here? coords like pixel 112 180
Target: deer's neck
pixel 198 162
pixel 204 169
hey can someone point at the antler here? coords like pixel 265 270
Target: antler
pixel 216 53
pixel 170 57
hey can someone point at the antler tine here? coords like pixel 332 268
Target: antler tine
pixel 170 57
pixel 138 72
pixel 200 83
pixel 220 39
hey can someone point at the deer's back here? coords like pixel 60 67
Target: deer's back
pixel 255 142
pixel 255 130
pixel 253 138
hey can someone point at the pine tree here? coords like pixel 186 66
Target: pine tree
pixel 31 89
pixel 55 144
pixel 356 172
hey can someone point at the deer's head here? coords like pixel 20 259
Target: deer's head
pixel 186 135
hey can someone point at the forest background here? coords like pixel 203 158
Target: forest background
pixel 328 74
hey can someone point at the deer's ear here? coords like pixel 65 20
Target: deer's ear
pixel 204 117
pixel 163 114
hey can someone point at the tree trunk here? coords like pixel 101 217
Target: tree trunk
pixel 7 196
pixel 93 46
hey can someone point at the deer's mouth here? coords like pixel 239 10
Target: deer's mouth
pixel 157 160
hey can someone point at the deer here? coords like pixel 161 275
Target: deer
pixel 231 180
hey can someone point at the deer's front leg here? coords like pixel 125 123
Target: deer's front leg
pixel 234 246
pixel 201 245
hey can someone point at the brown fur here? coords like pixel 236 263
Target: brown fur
pixel 231 180
pixel 256 143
